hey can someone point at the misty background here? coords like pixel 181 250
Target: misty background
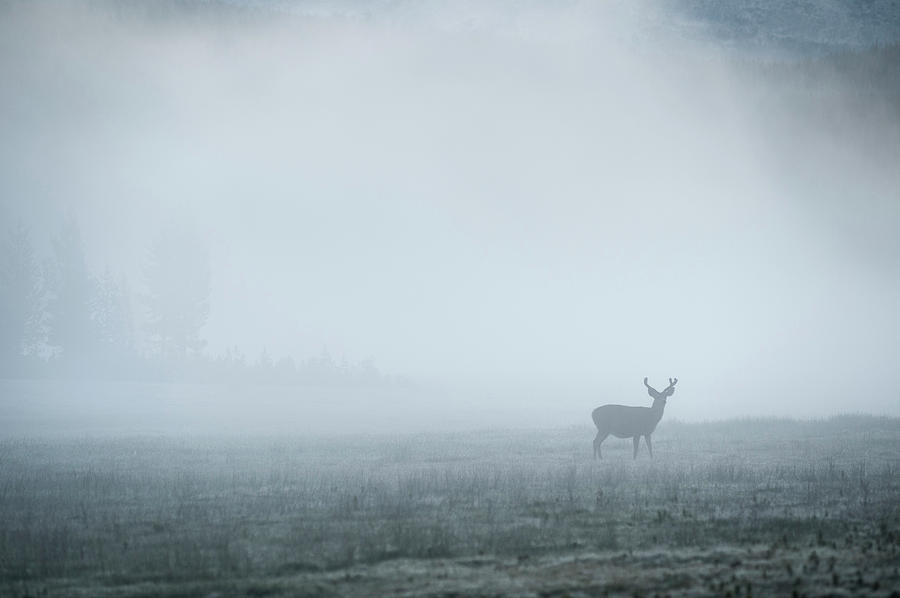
pixel 360 216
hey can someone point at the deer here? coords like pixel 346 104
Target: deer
pixel 631 422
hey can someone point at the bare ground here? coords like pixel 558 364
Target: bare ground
pixel 761 571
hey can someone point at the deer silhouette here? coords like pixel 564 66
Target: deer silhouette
pixel 631 422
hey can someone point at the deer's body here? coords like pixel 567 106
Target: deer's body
pixel 624 422
pixel 631 422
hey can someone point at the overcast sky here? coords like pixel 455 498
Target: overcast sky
pixel 543 199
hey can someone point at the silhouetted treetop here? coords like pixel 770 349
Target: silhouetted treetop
pixel 20 297
pixel 71 290
pixel 178 287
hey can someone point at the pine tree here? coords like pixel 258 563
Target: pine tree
pixel 178 279
pixel 20 299
pixel 72 291
pixel 112 314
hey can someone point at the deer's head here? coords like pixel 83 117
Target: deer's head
pixel 666 393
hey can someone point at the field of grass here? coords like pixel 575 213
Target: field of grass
pixel 749 507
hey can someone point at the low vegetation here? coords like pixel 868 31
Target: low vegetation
pixel 739 506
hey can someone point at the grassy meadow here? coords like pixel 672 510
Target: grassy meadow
pixel 742 507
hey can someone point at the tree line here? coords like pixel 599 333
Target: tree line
pixel 58 319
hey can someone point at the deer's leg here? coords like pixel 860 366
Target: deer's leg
pixel 597 441
pixel 637 443
pixel 649 445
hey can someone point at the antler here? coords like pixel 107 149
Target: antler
pixel 671 388
pixel 650 390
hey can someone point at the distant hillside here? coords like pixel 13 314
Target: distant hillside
pixel 757 27
pixel 804 26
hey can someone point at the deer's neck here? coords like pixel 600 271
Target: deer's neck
pixel 657 408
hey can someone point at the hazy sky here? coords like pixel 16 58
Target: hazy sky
pixel 540 198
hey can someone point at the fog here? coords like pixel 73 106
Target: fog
pixel 520 206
